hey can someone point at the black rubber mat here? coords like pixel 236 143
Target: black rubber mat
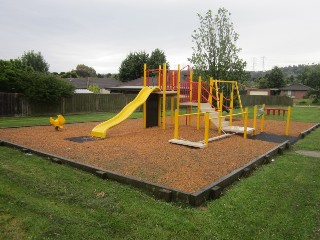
pixel 82 139
pixel 268 137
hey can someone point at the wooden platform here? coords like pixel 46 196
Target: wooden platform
pixel 237 129
pixel 188 143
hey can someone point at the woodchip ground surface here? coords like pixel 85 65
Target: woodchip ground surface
pixel 146 154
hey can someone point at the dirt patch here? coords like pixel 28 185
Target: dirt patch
pixel 146 154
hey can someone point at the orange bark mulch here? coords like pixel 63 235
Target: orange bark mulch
pixel 146 154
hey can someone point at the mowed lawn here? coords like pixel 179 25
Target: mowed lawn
pixel 43 200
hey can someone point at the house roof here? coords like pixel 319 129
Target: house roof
pixel 84 83
pixel 82 91
pixel 108 83
pixel 296 87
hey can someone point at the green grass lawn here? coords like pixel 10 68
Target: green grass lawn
pixel 30 121
pixel 43 200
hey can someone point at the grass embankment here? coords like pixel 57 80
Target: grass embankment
pixel 43 200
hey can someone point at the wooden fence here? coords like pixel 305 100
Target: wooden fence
pixel 13 104
pixel 251 100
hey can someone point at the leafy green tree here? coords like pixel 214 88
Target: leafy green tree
pixel 94 88
pixel 35 60
pixel 70 74
pixel 36 86
pixel 132 67
pixel 311 76
pixel 12 74
pixel 85 71
pixel 157 58
pixel 47 88
pixel 275 79
pixel 215 53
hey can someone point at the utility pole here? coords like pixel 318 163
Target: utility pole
pixel 254 62
pixel 263 58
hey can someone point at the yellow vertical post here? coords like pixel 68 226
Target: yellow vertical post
pixel 255 119
pixel 178 88
pixel 144 75
pixel 262 120
pixel 159 76
pixel 220 113
pixel 206 128
pixel 217 93
pixel 144 104
pixel 164 96
pixel 288 121
pixel 210 90
pixel 239 98
pixel 176 124
pixel 231 104
pixel 199 100
pixel 159 102
pixel 245 123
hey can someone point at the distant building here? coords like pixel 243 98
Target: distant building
pixel 263 92
pixel 297 91
pixel 82 84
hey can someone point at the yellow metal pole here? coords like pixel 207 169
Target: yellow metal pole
pixel 178 89
pixel 159 76
pixel 220 113
pixel 144 75
pixel 199 100
pixel 217 93
pixel 206 128
pixel 262 120
pixel 144 104
pixel 245 123
pixel 231 104
pixel 255 119
pixel 288 121
pixel 159 98
pixel 239 98
pixel 164 96
pixel 176 124
pixel 210 90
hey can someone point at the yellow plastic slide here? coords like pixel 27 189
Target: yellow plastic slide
pixel 101 129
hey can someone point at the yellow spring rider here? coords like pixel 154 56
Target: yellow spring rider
pixel 57 123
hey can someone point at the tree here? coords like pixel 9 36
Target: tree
pixel 35 86
pixel 311 76
pixel 275 79
pixel 132 67
pixel 94 88
pixel 47 88
pixel 215 53
pixel 157 58
pixel 71 74
pixel 35 60
pixel 85 71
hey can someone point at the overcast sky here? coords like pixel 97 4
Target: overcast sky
pixel 101 33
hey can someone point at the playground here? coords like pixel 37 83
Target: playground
pixel 191 141
pixel 145 154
